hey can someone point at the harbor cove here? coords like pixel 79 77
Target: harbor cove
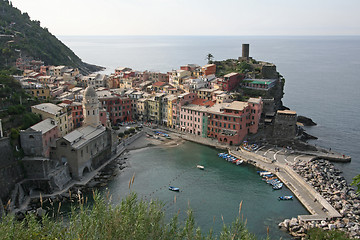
pixel 213 194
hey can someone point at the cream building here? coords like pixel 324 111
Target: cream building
pixel 59 114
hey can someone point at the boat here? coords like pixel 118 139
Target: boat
pixel 200 167
pixel 175 189
pixel 265 173
pixel 277 186
pixel 238 162
pixel 286 198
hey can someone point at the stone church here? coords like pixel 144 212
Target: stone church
pixel 89 146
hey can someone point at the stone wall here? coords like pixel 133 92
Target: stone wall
pixel 285 126
pixel 31 143
pixel 10 170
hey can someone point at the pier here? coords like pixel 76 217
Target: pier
pixel 319 208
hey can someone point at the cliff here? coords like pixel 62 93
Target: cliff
pixel 22 37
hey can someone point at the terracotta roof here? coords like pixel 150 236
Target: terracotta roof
pixel 203 102
pixel 159 84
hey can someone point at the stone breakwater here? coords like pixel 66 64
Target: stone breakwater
pixel 326 179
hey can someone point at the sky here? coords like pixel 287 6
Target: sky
pixel 195 17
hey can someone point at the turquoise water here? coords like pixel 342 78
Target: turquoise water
pixel 217 191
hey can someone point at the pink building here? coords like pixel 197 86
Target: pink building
pixel 194 117
pixel 37 139
pixel 230 122
pixel 182 99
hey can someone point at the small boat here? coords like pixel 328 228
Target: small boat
pixel 175 189
pixel 238 162
pixel 200 167
pixel 265 173
pixel 286 198
pixel 277 186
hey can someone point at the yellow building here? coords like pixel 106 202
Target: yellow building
pixel 142 109
pixel 170 100
pixel 154 107
pixel 40 93
pixel 59 114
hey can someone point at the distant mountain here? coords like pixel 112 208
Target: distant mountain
pixel 20 36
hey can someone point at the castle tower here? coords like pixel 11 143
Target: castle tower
pixel 245 51
pixel 91 107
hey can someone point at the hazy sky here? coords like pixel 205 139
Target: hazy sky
pixel 195 17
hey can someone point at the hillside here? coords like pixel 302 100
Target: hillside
pixel 21 36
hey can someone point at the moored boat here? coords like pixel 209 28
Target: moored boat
pixel 175 189
pixel 200 167
pixel 286 198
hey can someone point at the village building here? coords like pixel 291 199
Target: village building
pixel 259 84
pixel 229 82
pixel 59 114
pixel 42 171
pixel 119 108
pixel 87 147
pixel 194 117
pixel 229 123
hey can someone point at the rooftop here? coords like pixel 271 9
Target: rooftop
pixel 84 134
pixel 44 126
pixel 287 112
pixel 48 107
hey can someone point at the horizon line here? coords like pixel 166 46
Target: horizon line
pixel 164 35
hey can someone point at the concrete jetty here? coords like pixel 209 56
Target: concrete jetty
pixel 320 209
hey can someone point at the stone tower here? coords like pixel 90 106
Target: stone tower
pixel 91 107
pixel 245 51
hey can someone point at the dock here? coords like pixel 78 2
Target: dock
pixel 319 208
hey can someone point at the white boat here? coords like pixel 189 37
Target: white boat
pixel 265 173
pixel 238 162
pixel 200 167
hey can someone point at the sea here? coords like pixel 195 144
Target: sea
pixel 322 76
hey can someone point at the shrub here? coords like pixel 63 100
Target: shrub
pixel 127 132
pixel 121 135
pixel 131 219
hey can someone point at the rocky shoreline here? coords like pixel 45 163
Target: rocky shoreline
pixel 327 180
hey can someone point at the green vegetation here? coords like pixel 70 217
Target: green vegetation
pixel 232 65
pixel 26 37
pixel 320 234
pixel 356 182
pixel 131 219
pixel 209 58
pixel 15 103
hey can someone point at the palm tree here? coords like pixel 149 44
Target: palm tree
pixel 209 57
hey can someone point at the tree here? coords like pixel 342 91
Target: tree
pixel 209 58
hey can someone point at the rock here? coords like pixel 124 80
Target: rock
pixel 40 212
pixel 323 223
pixel 293 222
pixel 295 229
pixel 285 223
pixel 332 226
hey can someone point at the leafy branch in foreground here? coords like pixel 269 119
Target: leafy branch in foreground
pixel 131 219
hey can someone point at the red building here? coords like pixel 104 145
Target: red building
pixel 118 107
pixel 208 69
pixel 230 122
pixel 229 82
pixel 76 113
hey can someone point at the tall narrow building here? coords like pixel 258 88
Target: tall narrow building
pixel 91 107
